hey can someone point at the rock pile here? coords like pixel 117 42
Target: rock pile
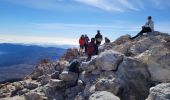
pixel 124 70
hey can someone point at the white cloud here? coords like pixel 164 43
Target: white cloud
pixel 37 40
pixel 110 5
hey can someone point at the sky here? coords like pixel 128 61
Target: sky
pixel 63 21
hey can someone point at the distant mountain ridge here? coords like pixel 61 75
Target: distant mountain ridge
pixel 12 54
pixel 17 60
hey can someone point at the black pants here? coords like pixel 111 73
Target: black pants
pixel 144 30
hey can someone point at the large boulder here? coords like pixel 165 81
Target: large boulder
pixel 112 85
pixel 144 44
pixel 103 95
pixel 160 92
pixel 136 77
pixel 124 48
pixel 122 39
pixel 158 60
pixel 109 60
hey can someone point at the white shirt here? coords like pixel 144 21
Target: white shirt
pixel 150 24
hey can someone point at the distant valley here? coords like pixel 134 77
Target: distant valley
pixel 17 60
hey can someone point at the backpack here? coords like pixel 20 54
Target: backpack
pixel 90 49
pixel 74 66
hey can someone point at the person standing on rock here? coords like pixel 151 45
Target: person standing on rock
pixel 148 27
pixel 92 49
pixel 98 38
pixel 86 42
pixel 81 43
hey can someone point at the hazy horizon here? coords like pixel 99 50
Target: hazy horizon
pixel 62 22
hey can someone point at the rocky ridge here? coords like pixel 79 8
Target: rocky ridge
pixel 124 70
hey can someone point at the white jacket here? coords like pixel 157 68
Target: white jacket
pixel 150 24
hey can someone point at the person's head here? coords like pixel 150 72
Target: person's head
pixel 82 36
pixel 92 40
pixel 85 35
pixel 98 31
pixel 149 17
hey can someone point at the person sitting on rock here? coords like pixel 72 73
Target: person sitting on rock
pixel 92 49
pixel 107 40
pixel 81 43
pixel 148 27
pixel 98 38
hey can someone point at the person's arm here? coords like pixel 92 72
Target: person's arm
pixel 151 25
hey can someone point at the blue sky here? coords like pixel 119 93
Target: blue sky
pixel 63 21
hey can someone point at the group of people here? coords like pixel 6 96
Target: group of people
pixel 90 47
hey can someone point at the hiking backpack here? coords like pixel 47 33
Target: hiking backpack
pixel 90 49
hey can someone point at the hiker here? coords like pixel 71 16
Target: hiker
pixel 86 42
pixel 148 27
pixel 81 43
pixel 92 49
pixel 107 40
pixel 98 38
pixel 74 66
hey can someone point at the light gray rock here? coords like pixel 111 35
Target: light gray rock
pixel 68 76
pixel 44 79
pixel 109 60
pixel 160 92
pixel 103 95
pixel 31 85
pixel 56 83
pixel 112 85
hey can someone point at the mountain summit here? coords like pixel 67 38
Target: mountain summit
pixel 124 70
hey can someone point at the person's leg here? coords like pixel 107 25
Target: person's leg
pixel 144 30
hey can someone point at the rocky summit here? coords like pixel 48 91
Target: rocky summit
pixel 124 70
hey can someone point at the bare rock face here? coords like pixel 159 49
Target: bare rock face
pixel 158 61
pixel 112 85
pixel 103 95
pixel 122 39
pixel 160 92
pixel 136 78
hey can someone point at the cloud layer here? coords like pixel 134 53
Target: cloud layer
pixel 107 5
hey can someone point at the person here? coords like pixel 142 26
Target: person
pixel 148 27
pixel 81 43
pixel 86 42
pixel 92 49
pixel 98 38
pixel 74 66
pixel 107 40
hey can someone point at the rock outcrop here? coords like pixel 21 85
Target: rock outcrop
pixel 124 70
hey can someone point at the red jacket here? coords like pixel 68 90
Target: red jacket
pixel 81 41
